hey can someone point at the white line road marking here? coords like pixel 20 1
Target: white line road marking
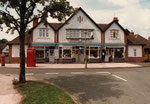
pixel 119 77
pixel 29 73
pixel 103 73
pixel 77 72
pixel 51 73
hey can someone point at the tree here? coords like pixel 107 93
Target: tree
pixel 3 41
pixel 24 10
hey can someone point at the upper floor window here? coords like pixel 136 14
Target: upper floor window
pixel 79 33
pixel 43 33
pixel 114 34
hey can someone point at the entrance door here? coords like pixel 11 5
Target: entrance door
pixel 119 53
pixel 81 56
pixel 51 55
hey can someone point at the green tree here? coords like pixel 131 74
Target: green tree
pixel 3 41
pixel 24 10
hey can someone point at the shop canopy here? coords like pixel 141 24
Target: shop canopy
pixel 66 44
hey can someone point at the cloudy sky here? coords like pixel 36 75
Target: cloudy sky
pixel 132 14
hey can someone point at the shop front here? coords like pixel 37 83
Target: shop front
pixel 76 54
pixel 115 54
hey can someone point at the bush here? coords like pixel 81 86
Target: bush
pixel 147 58
pixel 15 81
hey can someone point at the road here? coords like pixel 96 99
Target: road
pixel 98 86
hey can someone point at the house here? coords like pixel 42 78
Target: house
pixel 65 42
pixel 147 47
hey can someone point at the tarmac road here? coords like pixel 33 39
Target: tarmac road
pixel 98 86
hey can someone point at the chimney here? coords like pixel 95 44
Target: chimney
pixel 35 20
pixel 131 33
pixel 116 19
pixel 148 38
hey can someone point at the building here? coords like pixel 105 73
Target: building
pixel 2 46
pixel 65 42
pixel 147 47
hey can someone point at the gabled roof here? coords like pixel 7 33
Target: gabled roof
pixel 136 40
pixel 115 21
pixel 148 44
pixel 103 26
pixel 79 9
pixel 54 26
pixel 16 41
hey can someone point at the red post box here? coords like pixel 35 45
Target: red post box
pixel 31 57
pixel 2 59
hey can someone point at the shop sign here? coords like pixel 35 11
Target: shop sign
pixel 67 47
pixel 56 53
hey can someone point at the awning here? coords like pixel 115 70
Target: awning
pixel 43 44
pixel 73 44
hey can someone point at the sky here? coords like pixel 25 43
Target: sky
pixel 132 14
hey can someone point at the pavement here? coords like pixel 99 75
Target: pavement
pixel 8 95
pixel 80 66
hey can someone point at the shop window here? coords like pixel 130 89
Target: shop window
pixel 94 52
pixel 67 53
pixel 114 34
pixel 43 33
pixel 39 52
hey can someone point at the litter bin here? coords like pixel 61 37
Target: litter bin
pixel 2 60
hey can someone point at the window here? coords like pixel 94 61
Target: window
pixel 79 33
pixel 94 52
pixel 66 52
pixel 39 52
pixel 114 34
pixel 135 53
pixel 43 33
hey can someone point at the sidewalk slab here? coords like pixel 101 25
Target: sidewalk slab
pixel 8 95
pixel 79 66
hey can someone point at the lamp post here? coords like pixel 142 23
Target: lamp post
pixel 85 47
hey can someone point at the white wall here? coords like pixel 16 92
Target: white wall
pixel 131 51
pixel 16 50
pixel 74 24
pixel 108 37
pixel 36 38
pixel 6 49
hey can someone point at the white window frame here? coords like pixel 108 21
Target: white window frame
pixel 66 48
pixel 43 33
pixel 114 36
pixel 79 34
pixel 99 52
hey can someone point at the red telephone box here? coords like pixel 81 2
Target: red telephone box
pixel 31 57
pixel 2 60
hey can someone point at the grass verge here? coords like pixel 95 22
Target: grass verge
pixel 42 93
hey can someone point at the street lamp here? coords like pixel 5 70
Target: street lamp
pixel 85 47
